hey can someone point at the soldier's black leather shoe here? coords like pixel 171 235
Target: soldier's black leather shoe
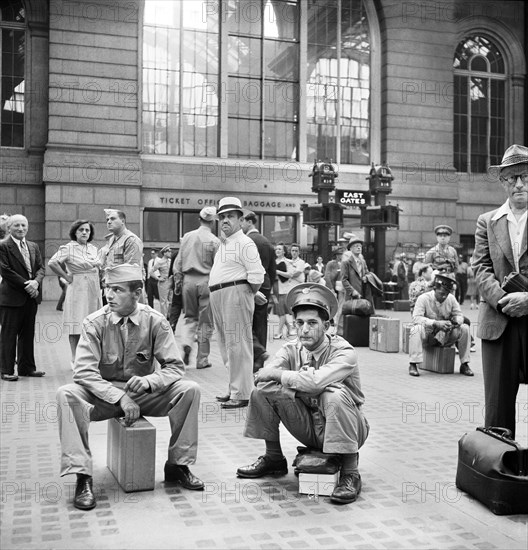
pixel 84 498
pixel 186 354
pixel 263 466
pixel 174 473
pixel 347 490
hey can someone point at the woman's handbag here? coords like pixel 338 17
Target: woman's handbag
pixel 493 468
pixel 358 306
pixel 281 266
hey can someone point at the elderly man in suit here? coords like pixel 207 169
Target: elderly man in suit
pixel 500 249
pixel 22 271
pixel 354 272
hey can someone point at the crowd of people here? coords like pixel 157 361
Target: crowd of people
pixel 126 362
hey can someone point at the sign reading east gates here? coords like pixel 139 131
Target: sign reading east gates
pixel 353 199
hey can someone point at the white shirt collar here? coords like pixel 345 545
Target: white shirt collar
pixel 504 210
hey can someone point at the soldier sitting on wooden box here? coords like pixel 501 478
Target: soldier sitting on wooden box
pixel 114 375
pixel 312 386
pixel 438 321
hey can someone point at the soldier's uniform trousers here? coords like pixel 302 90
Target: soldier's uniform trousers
pixel 77 407
pixel 331 422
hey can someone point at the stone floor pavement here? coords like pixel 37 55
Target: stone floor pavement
pixel 408 466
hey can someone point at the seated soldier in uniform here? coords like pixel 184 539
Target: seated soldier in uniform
pixel 312 386
pixel 114 375
pixel 438 321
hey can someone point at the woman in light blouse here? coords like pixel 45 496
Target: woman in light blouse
pixel 78 264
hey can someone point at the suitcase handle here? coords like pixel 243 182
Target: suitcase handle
pixel 504 434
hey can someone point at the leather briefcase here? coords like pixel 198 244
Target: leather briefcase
pixel 492 467
pixel 515 282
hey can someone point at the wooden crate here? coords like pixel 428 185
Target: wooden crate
pixel 131 454
pixel 384 334
pixel 438 359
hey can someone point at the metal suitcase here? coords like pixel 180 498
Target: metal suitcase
pixel 493 468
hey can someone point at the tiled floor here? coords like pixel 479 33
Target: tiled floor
pixel 408 466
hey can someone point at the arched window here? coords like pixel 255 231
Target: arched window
pixel 479 109
pixel 12 73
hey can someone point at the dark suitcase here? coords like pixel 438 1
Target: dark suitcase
pixel 356 330
pixel 401 305
pixel 493 468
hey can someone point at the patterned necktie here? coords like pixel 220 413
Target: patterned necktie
pixel 124 330
pixel 25 254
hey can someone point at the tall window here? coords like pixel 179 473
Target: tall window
pixel 338 87
pixel 180 78
pixel 12 61
pixel 248 55
pixel 263 81
pixel 479 110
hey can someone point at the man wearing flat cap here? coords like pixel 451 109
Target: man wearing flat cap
pixel 191 271
pixel 114 375
pixel 235 279
pixel 443 257
pixel 500 250
pixel 313 387
pixel 438 321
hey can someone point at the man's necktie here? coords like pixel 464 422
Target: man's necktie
pixel 25 254
pixel 124 330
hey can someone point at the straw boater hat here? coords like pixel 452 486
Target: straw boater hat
pixel 515 154
pixel 229 203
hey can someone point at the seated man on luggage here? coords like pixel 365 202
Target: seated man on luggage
pixel 438 321
pixel 313 388
pixel 114 375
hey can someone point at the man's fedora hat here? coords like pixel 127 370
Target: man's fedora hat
pixel 515 154
pixel 313 295
pixel 229 203
pixel 165 248
pixel 353 239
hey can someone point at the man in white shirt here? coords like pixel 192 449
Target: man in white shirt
pixel 500 249
pixel 191 270
pixel 235 279
pixel 438 321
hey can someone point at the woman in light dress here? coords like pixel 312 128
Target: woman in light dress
pixel 78 264
pixel 162 266
pixel 283 286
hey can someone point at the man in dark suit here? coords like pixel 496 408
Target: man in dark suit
pixel 500 249
pixel 22 272
pixel 260 315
